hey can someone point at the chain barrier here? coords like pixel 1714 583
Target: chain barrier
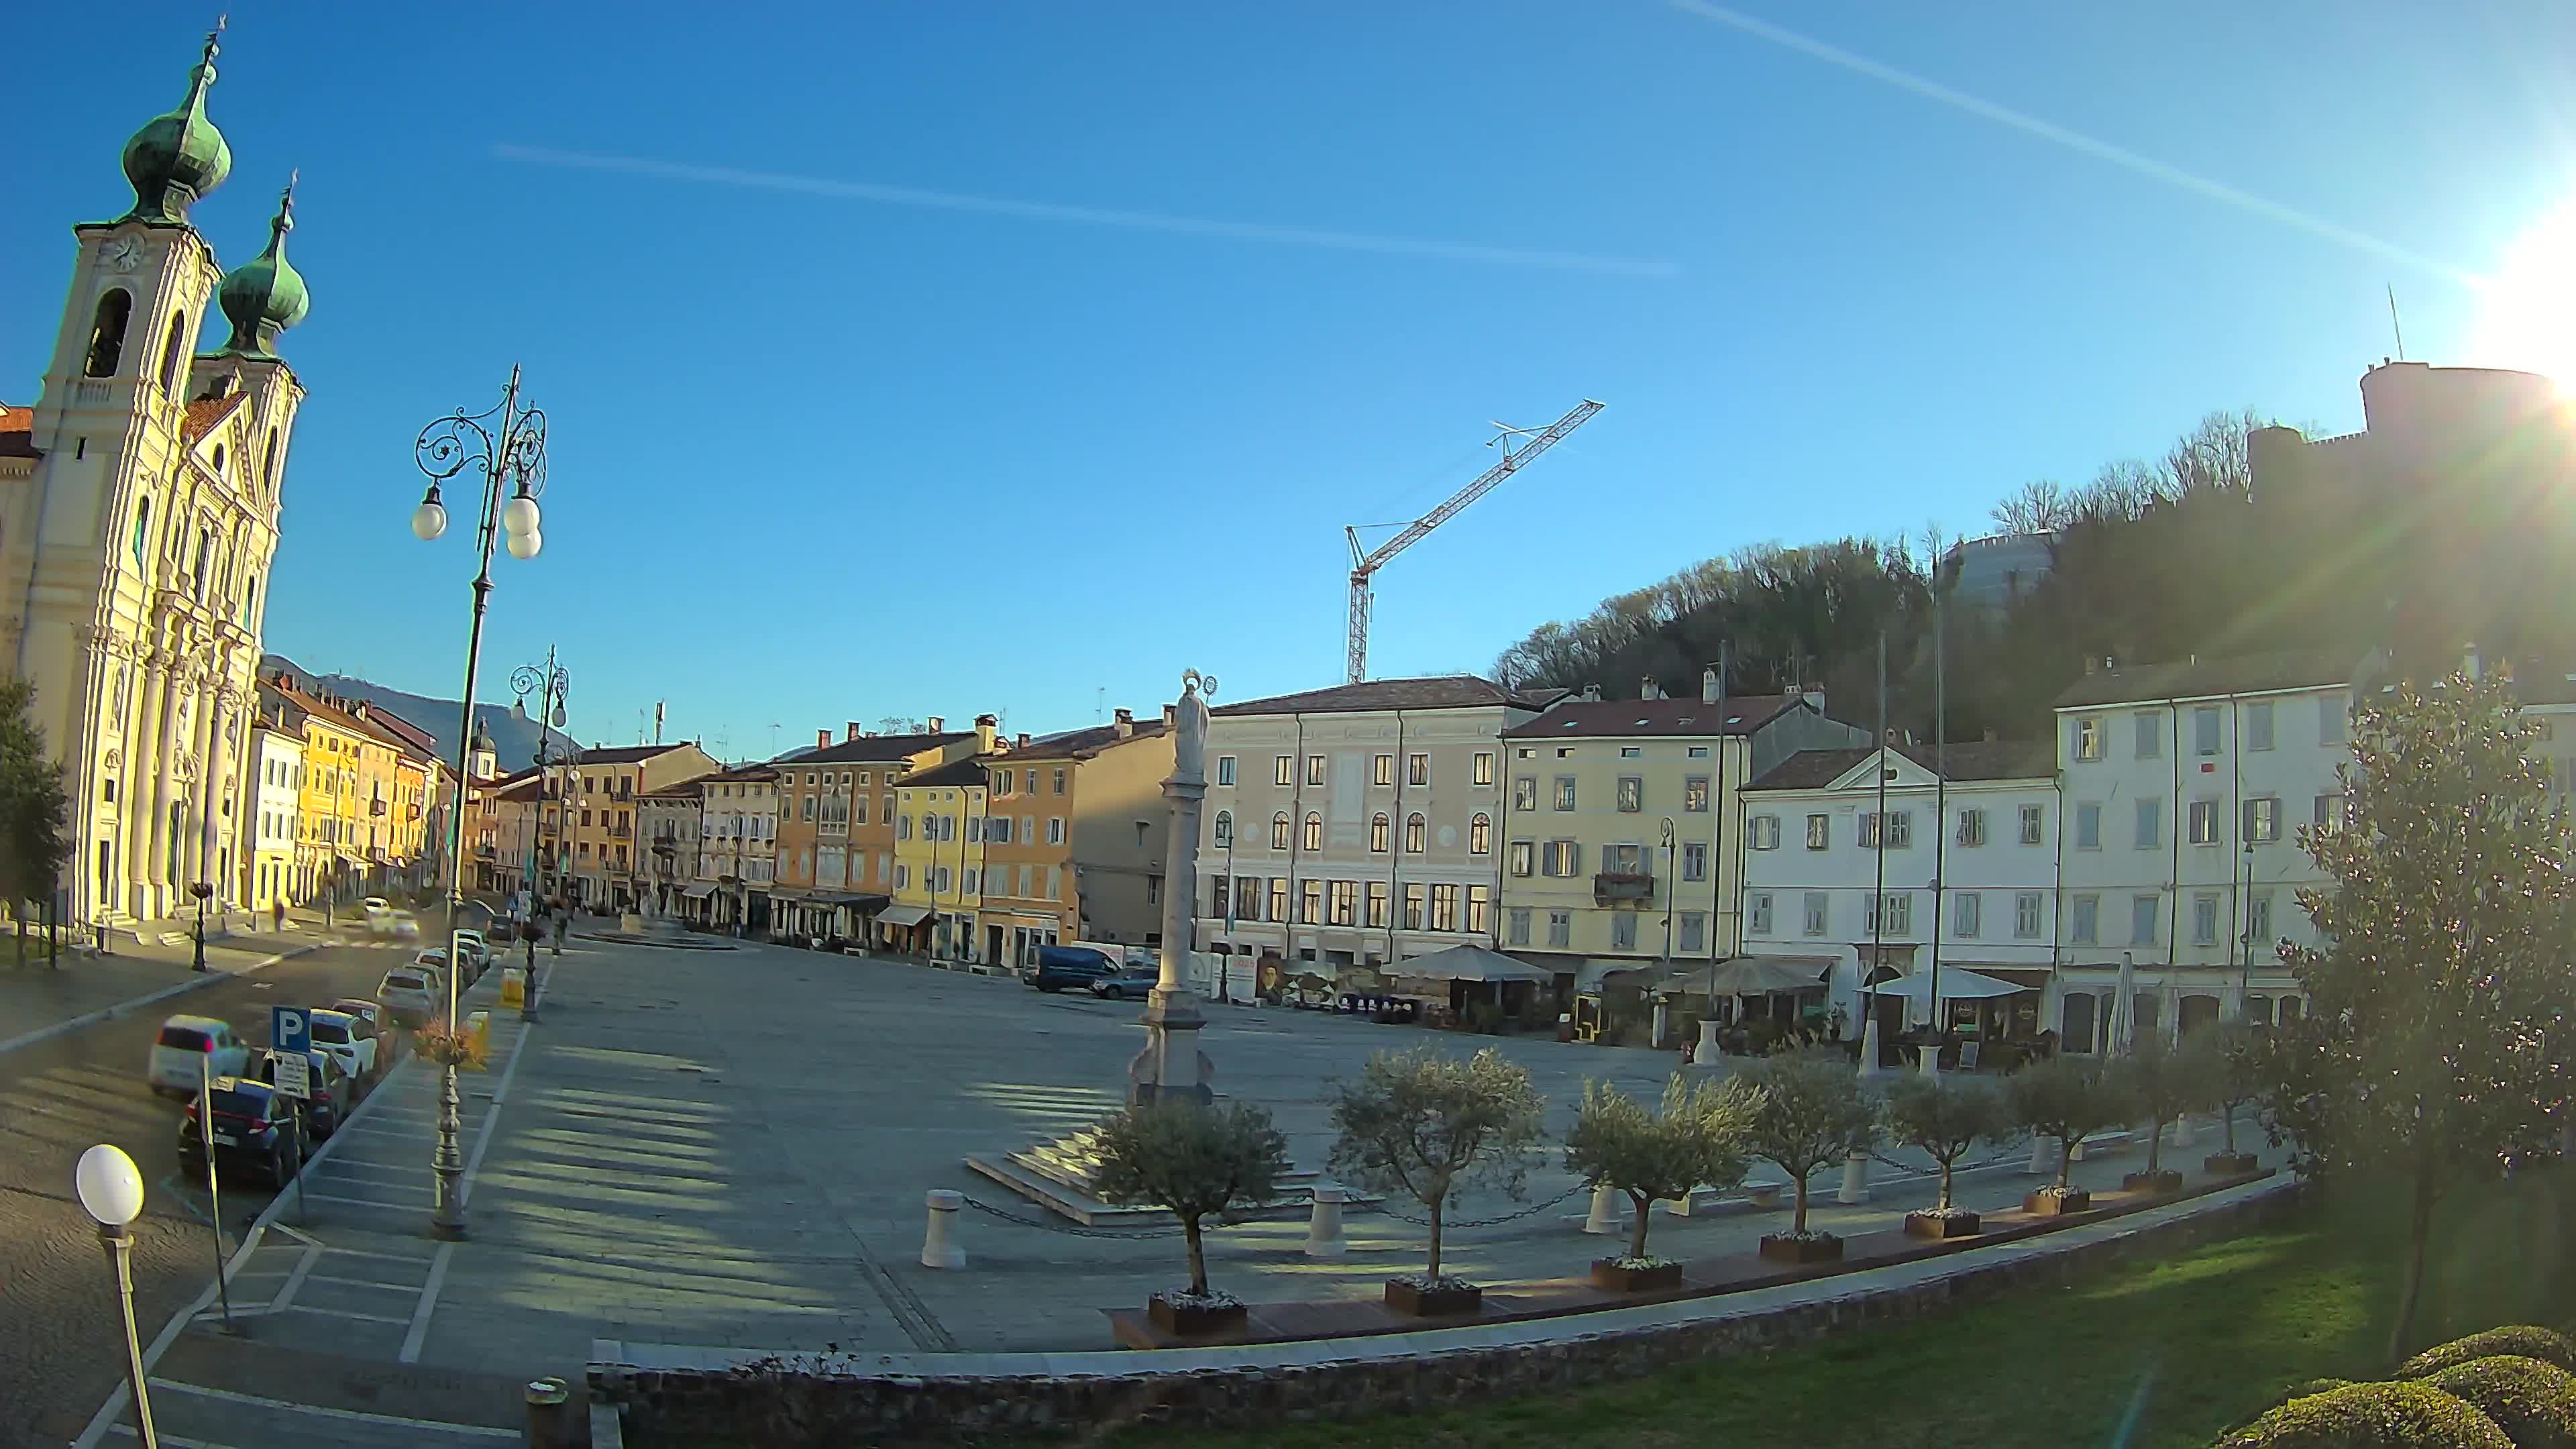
pixel 1449 1227
pixel 1073 1229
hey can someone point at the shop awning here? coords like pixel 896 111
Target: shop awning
pixel 1958 983
pixel 1756 975
pixel 1468 963
pixel 903 915
pixel 699 892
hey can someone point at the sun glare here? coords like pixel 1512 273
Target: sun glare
pixel 2527 319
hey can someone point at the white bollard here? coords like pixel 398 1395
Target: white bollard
pixel 1709 1051
pixel 1324 1229
pixel 2043 1155
pixel 1855 1179
pixel 1604 1217
pixel 939 1246
pixel 1928 1061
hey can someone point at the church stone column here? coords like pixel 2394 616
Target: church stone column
pixel 142 761
pixel 221 830
pixel 177 719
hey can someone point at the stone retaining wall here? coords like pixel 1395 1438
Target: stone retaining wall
pixel 677 1395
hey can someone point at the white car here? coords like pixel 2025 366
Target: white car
pixel 413 994
pixel 477 954
pixel 347 1040
pixel 191 1049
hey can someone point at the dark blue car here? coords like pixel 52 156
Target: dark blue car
pixel 1062 966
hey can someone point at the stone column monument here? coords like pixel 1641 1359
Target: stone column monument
pixel 1171 1063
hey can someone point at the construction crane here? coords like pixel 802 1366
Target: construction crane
pixel 1364 565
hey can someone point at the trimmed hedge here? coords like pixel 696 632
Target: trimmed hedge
pixel 2523 1339
pixel 2372 1416
pixel 2533 1401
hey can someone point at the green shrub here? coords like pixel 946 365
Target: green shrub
pixel 2532 1400
pixel 2547 1345
pixel 2372 1416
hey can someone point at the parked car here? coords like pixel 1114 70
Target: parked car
pixel 191 1049
pixel 1130 980
pixel 434 961
pixel 478 954
pixel 411 995
pixel 334 1092
pixel 350 1040
pixel 1062 966
pixel 253 1127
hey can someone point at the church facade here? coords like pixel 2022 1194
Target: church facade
pixel 139 505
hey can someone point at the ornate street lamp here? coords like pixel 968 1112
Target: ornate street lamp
pixel 201 891
pixel 111 1192
pixel 550 683
pixel 507 446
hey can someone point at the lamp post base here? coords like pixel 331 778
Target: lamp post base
pixel 448 1221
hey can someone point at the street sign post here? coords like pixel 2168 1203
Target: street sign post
pixel 290 1031
pixel 290 1028
pixel 294 1075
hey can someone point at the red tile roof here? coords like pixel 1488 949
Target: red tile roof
pixel 17 432
pixel 206 414
pixel 1450 691
pixel 1597 718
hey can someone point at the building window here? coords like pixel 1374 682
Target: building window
pixel 2087 741
pixel 1631 752
pixel 1517 931
pixel 1414 831
pixel 1561 858
pixel 1413 906
pixel 1817 911
pixel 1283 770
pixel 2084 919
pixel 1898 826
pixel 1695 860
pixel 1224 773
pixel 1279 829
pixel 2142 919
pixel 1314 832
pixel 1314 769
pixel 1520 856
pixel 1346 902
pixel 2262 820
pixel 1417 769
pixel 2150 738
pixel 902 876
pixel 1377 832
pixel 107 333
pixel 1762 832
pixel 2204 919
pixel 1055 830
pixel 1480 833
pixel 1967 914
pixel 1224 829
pixel 2258 725
pixel 1889 915
pixel 1560 929
pixel 1972 827
pixel 2329 812
pixel 1247 897
pixel 2258 925
pixel 1484 768
pixel 2204 822
pixel 2333 720
pixel 2088 825
pixel 2032 824
pixel 2204 730
pixel 1632 794
pixel 1377 903
pixel 1525 792
pixel 1382 770
pixel 174 357
pixel 1623 931
pixel 1820 831
pixel 1695 795
pixel 1480 906
pixel 1444 908
pixel 1279 898
pixel 1565 792
pixel 1757 913
pixel 2151 819
pixel 2026 909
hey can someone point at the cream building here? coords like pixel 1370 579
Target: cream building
pixel 138 519
pixel 1358 824
pixel 277 775
pixel 737 849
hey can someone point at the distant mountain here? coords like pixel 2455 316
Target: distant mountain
pixel 514 741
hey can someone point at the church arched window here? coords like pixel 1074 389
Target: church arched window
pixel 174 352
pixel 219 459
pixel 142 530
pixel 268 462
pixel 107 332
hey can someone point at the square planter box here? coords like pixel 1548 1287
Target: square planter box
pixel 2229 1164
pixel 2167 1180
pixel 1190 1320
pixel 1955 1225
pixel 1405 1298
pixel 2050 1205
pixel 1781 1248
pixel 1609 1277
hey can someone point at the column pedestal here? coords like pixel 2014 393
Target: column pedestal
pixel 1171 1065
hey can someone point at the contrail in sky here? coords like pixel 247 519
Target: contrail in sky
pixel 1094 215
pixel 2077 141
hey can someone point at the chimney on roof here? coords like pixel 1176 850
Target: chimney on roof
pixel 2092 665
pixel 1708 686
pixel 2469 664
pixel 1815 699
pixel 822 739
pixel 986 726
pixel 850 730
pixel 1647 688
pixel 1592 694
pixel 1171 716
pixel 937 724
pixel 1022 742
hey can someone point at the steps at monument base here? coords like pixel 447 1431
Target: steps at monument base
pixel 1074 1162
pixel 1082 1205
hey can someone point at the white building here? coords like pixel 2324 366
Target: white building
pixel 737 849
pixel 1960 870
pixel 2185 786
pixel 277 781
pixel 1296 783
pixel 666 828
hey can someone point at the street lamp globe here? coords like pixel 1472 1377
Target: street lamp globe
pixel 110 1188
pixel 429 520
pixel 520 516
pixel 525 545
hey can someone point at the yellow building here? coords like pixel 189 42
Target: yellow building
pixel 938 859
pixel 1620 821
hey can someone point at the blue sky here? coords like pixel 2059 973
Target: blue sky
pixel 830 448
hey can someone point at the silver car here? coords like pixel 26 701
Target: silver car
pixel 412 995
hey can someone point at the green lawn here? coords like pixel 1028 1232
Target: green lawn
pixel 2174 1351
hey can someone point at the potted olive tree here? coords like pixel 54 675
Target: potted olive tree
pixel 1698 1138
pixel 1943 1117
pixel 2237 1081
pixel 2068 1098
pixel 1425 1125
pixel 1194 1160
pixel 1812 1112
pixel 2164 1083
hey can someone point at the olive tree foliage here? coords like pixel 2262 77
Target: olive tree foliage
pixel 2069 1098
pixel 2240 1075
pixel 1944 1118
pixel 2165 1081
pixel 1813 1112
pixel 1428 1125
pixel 2435 1045
pixel 1193 1160
pixel 1699 1139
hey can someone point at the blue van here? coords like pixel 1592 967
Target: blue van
pixel 1062 966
